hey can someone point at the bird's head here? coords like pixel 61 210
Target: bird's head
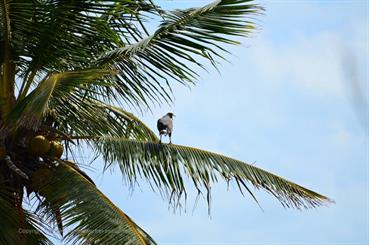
pixel 170 114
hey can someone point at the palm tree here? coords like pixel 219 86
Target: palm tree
pixel 70 70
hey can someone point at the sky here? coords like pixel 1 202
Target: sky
pixel 293 100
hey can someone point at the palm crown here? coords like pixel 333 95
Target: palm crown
pixel 69 70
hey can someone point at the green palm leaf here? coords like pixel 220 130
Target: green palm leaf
pixel 8 220
pixel 79 114
pixel 166 165
pixel 87 212
pixel 34 231
pixel 65 35
pixel 19 226
pixel 135 127
pixel 172 49
pixel 29 111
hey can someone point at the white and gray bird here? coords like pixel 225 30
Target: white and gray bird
pixel 165 126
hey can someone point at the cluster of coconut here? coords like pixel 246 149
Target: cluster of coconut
pixel 40 145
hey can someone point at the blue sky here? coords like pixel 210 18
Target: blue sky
pixel 286 103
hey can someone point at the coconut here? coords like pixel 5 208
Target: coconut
pixel 39 145
pixel 41 181
pixel 2 152
pixel 56 149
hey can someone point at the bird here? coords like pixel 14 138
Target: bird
pixel 165 126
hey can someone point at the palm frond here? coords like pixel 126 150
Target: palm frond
pixel 78 114
pixel 29 111
pixel 135 127
pixel 34 231
pixel 166 165
pixel 67 35
pixel 8 220
pixel 183 37
pixel 89 215
pixel 19 228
